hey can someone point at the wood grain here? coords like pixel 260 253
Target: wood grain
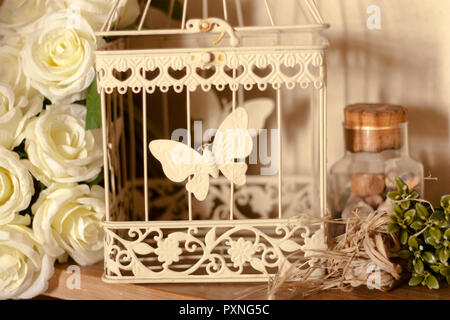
pixel 92 287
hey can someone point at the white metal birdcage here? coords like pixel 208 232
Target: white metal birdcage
pixel 151 82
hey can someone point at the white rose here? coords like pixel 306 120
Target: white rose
pixel 20 14
pixel 14 115
pixel 10 116
pixel 25 268
pixel 60 149
pixel 58 58
pixel 25 103
pixel 67 219
pixel 96 11
pixel 11 72
pixel 129 13
pixel 16 186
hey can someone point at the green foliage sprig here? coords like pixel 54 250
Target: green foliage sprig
pixel 424 233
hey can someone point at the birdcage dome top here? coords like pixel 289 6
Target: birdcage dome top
pixel 228 24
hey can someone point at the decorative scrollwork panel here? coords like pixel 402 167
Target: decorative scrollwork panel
pixel 187 69
pixel 223 252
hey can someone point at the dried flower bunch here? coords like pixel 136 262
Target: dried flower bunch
pixel 360 256
pixel 424 233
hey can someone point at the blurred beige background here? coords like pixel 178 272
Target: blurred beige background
pixel 406 62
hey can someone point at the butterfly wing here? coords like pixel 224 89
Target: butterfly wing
pixel 234 172
pixel 179 162
pixel 258 111
pixel 231 142
pixel 199 185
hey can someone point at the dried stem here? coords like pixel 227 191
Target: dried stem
pixel 365 244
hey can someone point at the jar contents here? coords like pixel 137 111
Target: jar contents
pixel 376 142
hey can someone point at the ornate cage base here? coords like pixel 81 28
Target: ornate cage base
pixel 206 251
pixel 209 248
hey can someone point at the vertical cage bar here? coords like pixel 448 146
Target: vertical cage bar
pixel 240 16
pixel 144 149
pixel 166 115
pixel 225 11
pixel 172 5
pixel 241 24
pixel 188 126
pixel 124 164
pixel 314 11
pixel 323 149
pixel 183 20
pixel 269 13
pixel 115 144
pixel 109 17
pixel 205 9
pixel 110 140
pixel 233 103
pixel 132 148
pixel 280 165
pixel 105 153
pixel 144 14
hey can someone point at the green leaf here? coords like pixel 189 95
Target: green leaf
pixel 393 195
pixel 414 195
pixel 409 216
pixel 416 225
pixel 436 233
pixel 432 282
pixel 393 228
pixel 93 112
pixel 431 241
pixel 394 219
pixel 418 266
pixel 445 202
pixel 397 210
pixel 429 257
pixel 435 268
pixel 405 205
pixel 445 271
pixel 447 234
pixel 404 237
pixel 437 216
pixel 404 254
pixel 412 242
pixel 401 186
pixel 422 211
pixel 444 255
pixel 414 281
pixel 442 224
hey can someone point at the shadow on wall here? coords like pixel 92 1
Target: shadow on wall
pixel 399 73
pixel 429 128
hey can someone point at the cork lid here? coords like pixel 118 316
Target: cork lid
pixel 374 115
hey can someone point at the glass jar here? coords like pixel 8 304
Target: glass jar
pixel 376 143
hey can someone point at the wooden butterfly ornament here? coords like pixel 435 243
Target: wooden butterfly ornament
pixel 232 143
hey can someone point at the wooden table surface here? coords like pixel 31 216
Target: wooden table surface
pixel 92 287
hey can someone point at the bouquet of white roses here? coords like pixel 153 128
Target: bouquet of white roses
pixel 50 165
